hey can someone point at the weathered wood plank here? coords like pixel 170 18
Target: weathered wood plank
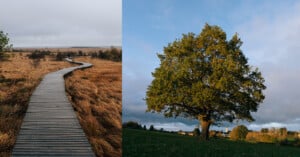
pixel 50 126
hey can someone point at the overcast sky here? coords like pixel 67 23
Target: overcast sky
pixel 51 23
pixel 270 31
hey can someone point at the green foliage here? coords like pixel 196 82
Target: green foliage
pixel 3 45
pixel 3 41
pixel 283 131
pixel 196 132
pixel 264 130
pixel 60 56
pixel 38 54
pixel 151 128
pixel 113 54
pixel 137 143
pixel 132 125
pixel 205 77
pixel 239 133
pixel 80 53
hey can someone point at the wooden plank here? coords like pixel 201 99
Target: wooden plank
pixel 50 126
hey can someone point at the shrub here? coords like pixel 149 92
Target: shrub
pixel 132 125
pixel 251 137
pixel 60 56
pixel 196 132
pixel 151 128
pixel 3 45
pixel 264 130
pixel 113 54
pixel 239 133
pixel 37 54
pixel 212 133
pixel 283 131
pixel 261 137
pixel 80 53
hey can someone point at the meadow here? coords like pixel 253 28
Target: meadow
pixel 142 143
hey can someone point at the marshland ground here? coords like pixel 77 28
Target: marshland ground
pixel 95 93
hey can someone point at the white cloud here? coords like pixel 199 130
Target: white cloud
pixel 272 44
pixel 174 126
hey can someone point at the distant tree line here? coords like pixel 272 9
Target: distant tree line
pixel 62 55
pixel 132 125
pixel 38 54
pixel 135 125
pixel 113 54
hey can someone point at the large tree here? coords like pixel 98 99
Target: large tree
pixel 205 77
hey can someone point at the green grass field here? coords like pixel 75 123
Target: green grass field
pixel 141 143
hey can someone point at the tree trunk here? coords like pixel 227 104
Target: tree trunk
pixel 205 124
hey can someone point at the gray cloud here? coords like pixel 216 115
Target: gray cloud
pixel 62 22
pixel 273 46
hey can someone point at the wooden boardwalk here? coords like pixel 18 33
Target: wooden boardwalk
pixel 50 126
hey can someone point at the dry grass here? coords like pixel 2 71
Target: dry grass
pixel 96 95
pixel 18 78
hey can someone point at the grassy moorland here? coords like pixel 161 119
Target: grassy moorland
pixel 19 76
pixel 100 86
pixel 141 143
pixel 96 96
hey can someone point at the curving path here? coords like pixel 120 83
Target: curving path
pixel 50 126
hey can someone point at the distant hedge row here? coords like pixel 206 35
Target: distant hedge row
pixel 113 54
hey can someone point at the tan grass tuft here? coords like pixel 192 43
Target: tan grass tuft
pixel 96 94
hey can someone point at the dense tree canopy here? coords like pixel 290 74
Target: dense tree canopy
pixel 207 78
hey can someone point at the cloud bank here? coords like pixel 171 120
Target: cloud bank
pixel 62 22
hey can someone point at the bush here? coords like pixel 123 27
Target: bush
pixel 212 133
pixel 60 56
pixel 3 45
pixel 283 131
pixel 196 132
pixel 113 54
pixel 239 133
pixel 261 137
pixel 80 53
pixel 264 130
pixel 252 137
pixel 151 128
pixel 37 54
pixel 132 125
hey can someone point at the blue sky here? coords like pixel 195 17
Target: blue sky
pixel 269 29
